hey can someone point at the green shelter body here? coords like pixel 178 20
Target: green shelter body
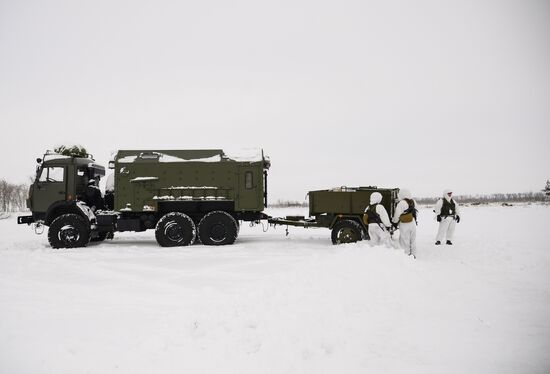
pixel 143 178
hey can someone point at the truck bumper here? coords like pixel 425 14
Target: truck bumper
pixel 25 219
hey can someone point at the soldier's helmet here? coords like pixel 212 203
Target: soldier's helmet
pixel 375 198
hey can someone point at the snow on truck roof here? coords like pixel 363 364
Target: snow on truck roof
pixel 214 155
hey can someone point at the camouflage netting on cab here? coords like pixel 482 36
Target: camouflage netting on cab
pixel 74 151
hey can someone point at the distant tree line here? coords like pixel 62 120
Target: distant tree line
pixel 13 196
pixel 523 197
pixel 289 204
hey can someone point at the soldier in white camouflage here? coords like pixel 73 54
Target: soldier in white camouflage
pixel 405 218
pixel 448 215
pixel 378 221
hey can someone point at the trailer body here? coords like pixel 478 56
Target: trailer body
pixel 341 210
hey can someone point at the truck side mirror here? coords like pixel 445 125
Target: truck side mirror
pixel 39 160
pixel 111 164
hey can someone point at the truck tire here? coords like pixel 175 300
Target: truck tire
pixel 346 231
pixel 175 229
pixel 218 228
pixel 69 231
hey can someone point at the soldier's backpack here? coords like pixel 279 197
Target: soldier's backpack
pixel 410 213
pixel 371 216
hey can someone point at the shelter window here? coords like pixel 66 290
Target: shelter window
pixel 52 174
pixel 248 181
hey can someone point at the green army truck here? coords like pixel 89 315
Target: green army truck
pixel 183 194
pixel 341 210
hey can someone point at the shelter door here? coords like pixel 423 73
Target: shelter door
pixel 250 187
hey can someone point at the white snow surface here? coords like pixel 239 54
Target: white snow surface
pixel 244 154
pixel 54 156
pixel 144 179
pixel 192 188
pixel 169 158
pixel 272 303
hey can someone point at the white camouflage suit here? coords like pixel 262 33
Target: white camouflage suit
pixel 448 223
pixel 407 235
pixel 379 235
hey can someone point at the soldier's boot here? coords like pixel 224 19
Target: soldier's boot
pixel 449 242
pixel 437 242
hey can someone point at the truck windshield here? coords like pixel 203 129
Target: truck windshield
pixel 52 174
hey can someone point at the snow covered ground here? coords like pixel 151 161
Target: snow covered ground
pixel 277 304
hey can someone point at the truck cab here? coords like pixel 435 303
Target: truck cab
pixel 59 184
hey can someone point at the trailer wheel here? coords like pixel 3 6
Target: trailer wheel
pixel 346 231
pixel 175 229
pixel 218 228
pixel 69 231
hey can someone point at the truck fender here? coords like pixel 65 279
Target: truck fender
pixel 86 211
pixel 66 207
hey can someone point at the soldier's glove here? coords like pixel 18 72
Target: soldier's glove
pixel 457 219
pixel 438 218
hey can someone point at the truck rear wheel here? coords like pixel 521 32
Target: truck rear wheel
pixel 346 231
pixel 69 231
pixel 175 229
pixel 218 228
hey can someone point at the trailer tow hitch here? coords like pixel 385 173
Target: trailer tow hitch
pixel 264 227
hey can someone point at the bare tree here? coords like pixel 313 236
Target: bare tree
pixel 12 196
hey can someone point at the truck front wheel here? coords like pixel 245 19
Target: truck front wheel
pixel 346 231
pixel 218 228
pixel 175 229
pixel 69 231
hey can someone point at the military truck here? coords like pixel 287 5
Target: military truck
pixel 341 210
pixel 184 195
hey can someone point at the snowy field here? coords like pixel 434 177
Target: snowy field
pixel 282 304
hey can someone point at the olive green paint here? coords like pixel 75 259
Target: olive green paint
pixel 142 179
pixel 349 200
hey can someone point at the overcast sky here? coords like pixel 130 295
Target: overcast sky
pixel 425 95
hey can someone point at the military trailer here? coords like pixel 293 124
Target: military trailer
pixel 183 194
pixel 341 210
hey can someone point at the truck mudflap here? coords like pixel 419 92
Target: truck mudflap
pixel 25 219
